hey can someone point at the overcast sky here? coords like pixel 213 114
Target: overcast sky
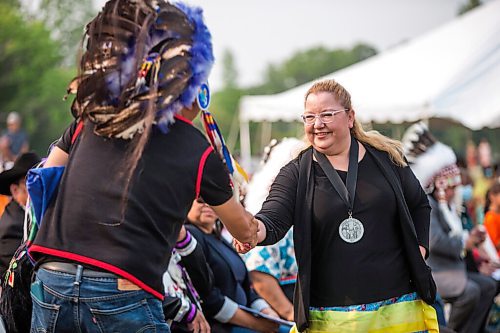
pixel 259 32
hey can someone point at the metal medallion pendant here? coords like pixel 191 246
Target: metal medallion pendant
pixel 351 230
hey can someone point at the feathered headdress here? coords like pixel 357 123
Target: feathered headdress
pixel 432 162
pixel 143 61
pixel 434 165
pixel 276 155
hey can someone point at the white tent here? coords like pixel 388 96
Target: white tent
pixel 451 72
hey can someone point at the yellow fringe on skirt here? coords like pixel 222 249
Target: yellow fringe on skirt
pixel 400 317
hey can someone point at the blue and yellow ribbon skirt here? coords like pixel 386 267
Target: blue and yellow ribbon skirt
pixel 404 314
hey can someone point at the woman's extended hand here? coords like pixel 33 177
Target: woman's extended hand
pixel 245 247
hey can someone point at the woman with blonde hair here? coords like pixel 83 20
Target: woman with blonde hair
pixel 361 225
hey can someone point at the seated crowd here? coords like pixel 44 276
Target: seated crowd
pixel 464 260
pixel 211 288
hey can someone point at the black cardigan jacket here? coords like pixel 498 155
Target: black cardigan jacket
pixel 413 210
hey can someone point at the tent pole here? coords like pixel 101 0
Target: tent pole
pixel 233 134
pixel 246 154
pixel 266 134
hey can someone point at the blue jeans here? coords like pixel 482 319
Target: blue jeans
pixel 72 303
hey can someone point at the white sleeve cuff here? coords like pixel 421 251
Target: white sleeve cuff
pixel 227 311
pixel 259 304
pixel 188 248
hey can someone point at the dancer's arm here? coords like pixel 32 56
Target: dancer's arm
pixel 240 223
pixel 57 157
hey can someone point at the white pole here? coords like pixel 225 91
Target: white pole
pixel 246 154
pixel 266 134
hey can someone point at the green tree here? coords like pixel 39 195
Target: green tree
pixel 47 114
pixel 25 51
pixel 308 65
pixel 11 3
pixel 229 71
pixel 31 82
pixel 470 4
pixel 66 20
pixel 300 68
pixel 225 102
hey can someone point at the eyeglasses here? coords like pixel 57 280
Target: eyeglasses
pixel 325 116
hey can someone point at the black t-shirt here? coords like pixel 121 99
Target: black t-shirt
pixel 372 269
pixel 93 223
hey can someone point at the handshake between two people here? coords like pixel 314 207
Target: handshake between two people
pixel 247 231
pixel 257 237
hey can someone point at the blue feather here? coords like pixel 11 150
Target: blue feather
pixel 201 62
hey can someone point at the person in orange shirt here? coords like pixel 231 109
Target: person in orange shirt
pixel 4 201
pixel 492 214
